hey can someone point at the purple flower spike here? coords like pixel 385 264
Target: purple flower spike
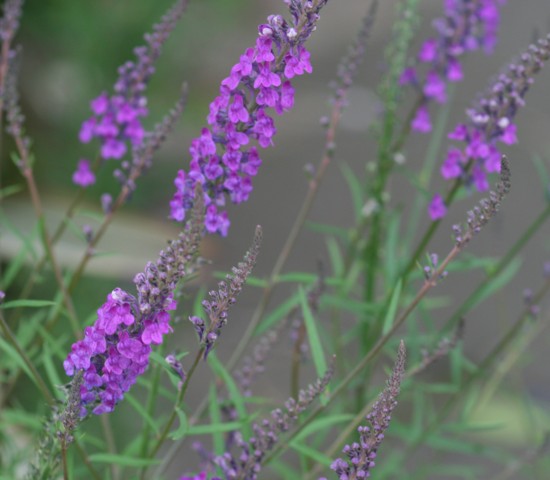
pixel 116 349
pixel 466 26
pixel 116 119
pixel 221 159
pixel 490 125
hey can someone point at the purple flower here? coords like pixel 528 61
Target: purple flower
pixel 83 175
pixel 466 26
pixel 437 208
pixel 421 121
pixel 221 159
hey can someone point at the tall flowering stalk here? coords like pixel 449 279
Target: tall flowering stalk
pixel 223 160
pixel 116 119
pixel 490 124
pixel 361 454
pixel 116 349
pixel 467 25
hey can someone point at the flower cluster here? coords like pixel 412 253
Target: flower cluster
pixel 361 455
pixel 116 349
pixel 248 463
pixel 467 25
pixel 226 295
pixel 491 123
pixel 223 160
pixel 116 119
pixel 112 354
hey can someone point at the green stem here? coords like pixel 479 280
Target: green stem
pixel 174 414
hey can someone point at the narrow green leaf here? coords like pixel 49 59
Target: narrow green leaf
pixel 232 388
pixel 335 255
pixel 51 372
pixel 392 309
pixel 183 427
pixel 14 356
pixel 355 188
pixel 142 412
pixel 276 315
pixel 313 335
pixel 495 284
pixel 326 229
pixel 542 171
pixel 213 428
pixel 391 253
pixel 27 304
pixel 215 418
pixel 312 453
pixel 322 424
pixel 122 460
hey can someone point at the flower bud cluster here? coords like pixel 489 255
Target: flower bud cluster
pixel 226 295
pixel 223 160
pixel 361 454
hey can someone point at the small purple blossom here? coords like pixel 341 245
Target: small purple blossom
pixel 223 158
pixel 437 208
pixel 83 176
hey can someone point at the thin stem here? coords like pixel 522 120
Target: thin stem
pixel 28 174
pixel 174 414
pixel 151 401
pixel 296 361
pixel 111 445
pixel 64 461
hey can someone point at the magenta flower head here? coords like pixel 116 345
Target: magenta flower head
pixel 115 350
pixel 225 157
pixel 467 25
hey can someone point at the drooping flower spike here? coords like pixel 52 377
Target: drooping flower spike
pixel 467 25
pixel 225 157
